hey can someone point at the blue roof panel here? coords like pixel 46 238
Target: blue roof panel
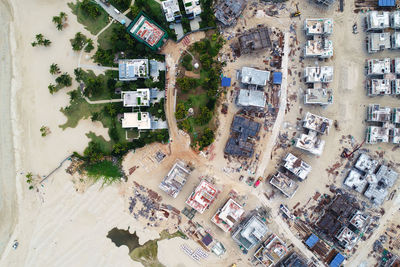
pixel 312 240
pixel 225 81
pixel 337 261
pixel 386 2
pixel 277 77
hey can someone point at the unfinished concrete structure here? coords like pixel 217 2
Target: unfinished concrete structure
pixel 395 85
pixel 227 11
pixel 376 87
pixel 250 233
pixel 378 66
pixel 386 126
pixel 253 40
pixel 243 132
pixel 395 40
pixel 227 216
pixel 378 42
pixel 284 184
pixel 319 47
pixel 318 77
pixel 377 20
pixel 325 2
pixel 293 260
pixel 318 26
pixel 317 123
pixel 271 251
pixel 202 197
pixel 338 216
pixel 296 166
pixel 176 178
pixel 372 180
pixel 251 98
pixel 311 143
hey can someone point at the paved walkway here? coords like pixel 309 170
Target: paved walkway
pixel 120 17
pixel 96 67
pixel 102 101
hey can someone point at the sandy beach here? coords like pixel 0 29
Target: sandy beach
pixel 7 168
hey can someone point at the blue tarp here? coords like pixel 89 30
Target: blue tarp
pixel 337 261
pixel 312 240
pixel 277 77
pixel 386 2
pixel 225 82
pixel 207 239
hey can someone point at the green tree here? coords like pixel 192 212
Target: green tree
pixel 52 88
pixel 54 69
pixel 78 72
pixel 73 95
pixel 64 80
pixel 78 42
pixel 58 22
pixel 204 117
pixel 206 139
pixel 46 42
pixel 29 177
pixel 34 44
pixel 180 112
pixel 89 45
pixel 90 8
pixel 186 83
pixel 135 10
pixel 93 86
pixel 93 152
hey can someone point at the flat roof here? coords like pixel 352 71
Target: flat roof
pixel 378 66
pixel 377 20
pixel 319 47
pixel 132 69
pixel 147 31
pixel 271 251
pixel 376 113
pixel 202 197
pixel 140 120
pixel 227 216
pixel 255 76
pixel 378 41
pixel 252 98
pixel 318 96
pixel 395 19
pixel 379 87
pixel 138 98
pixel 376 134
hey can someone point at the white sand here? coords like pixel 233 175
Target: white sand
pixel 7 169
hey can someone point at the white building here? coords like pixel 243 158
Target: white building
pixel 319 47
pixel 176 178
pixel 311 143
pixel 378 42
pixel 132 69
pixel 377 20
pixel 378 66
pixel 171 10
pixel 138 98
pixel 192 8
pixel 139 120
pixel 318 26
pixel 395 20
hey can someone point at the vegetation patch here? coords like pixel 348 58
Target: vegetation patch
pixel 90 14
pixel 121 5
pixel 197 97
pixel 105 170
pixel 100 87
pixel 187 62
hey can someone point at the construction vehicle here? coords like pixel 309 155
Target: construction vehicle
pixel 297 13
pixel 345 154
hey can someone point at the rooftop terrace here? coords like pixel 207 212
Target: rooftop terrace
pixel 138 98
pixel 139 120
pixel 132 69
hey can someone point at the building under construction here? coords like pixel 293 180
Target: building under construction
pixel 227 11
pixel 324 2
pixel 253 40
pixel 243 132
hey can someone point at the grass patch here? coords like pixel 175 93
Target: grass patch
pixel 105 170
pixel 105 146
pixel 92 25
pixel 104 39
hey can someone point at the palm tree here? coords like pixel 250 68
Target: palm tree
pixel 57 20
pixel 52 88
pixel 60 26
pixel 39 37
pixel 63 16
pixel 54 69
pixel 34 44
pixel 29 176
pixel 46 42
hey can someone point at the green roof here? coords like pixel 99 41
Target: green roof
pixel 138 23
